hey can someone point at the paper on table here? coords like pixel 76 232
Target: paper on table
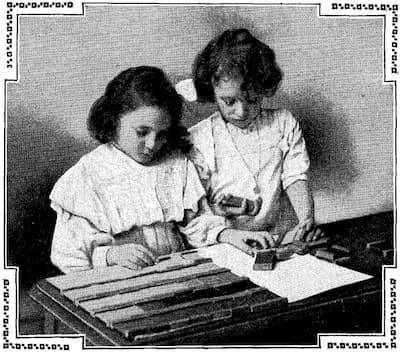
pixel 297 278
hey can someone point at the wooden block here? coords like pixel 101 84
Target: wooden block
pixel 322 242
pixel 252 207
pixel 264 259
pixel 324 254
pixel 333 255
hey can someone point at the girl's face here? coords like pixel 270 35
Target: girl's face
pixel 233 105
pixel 143 132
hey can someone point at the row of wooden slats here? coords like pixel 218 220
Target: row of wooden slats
pixel 176 290
pixel 152 303
pixel 182 291
pixel 137 283
pixel 184 317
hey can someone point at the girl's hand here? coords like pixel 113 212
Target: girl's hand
pixel 305 231
pixel 132 256
pixel 247 241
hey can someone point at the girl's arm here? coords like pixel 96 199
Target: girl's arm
pixel 302 201
pixel 205 228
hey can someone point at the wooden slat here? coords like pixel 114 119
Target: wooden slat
pixel 185 325
pixel 201 289
pixel 177 290
pixel 103 275
pixel 96 276
pixel 131 326
pixel 149 324
pixel 141 282
pixel 131 298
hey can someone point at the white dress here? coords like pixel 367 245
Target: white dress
pixel 107 198
pixel 269 155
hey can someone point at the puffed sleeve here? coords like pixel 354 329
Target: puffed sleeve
pixel 82 232
pixel 77 244
pixel 296 161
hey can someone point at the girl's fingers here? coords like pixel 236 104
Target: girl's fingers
pixel 191 225
pixel 130 265
pixel 244 247
pixel 219 199
pixel 300 234
pixel 144 255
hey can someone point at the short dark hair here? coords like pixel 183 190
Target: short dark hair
pixel 236 53
pixel 130 90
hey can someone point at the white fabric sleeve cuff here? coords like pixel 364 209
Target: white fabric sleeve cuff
pixel 290 180
pixel 213 233
pixel 204 230
pixel 99 256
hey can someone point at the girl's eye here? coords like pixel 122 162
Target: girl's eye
pixel 229 101
pixel 141 133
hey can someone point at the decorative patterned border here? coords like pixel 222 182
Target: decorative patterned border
pixel 393 313
pixel 7 344
pixel 11 21
pixel 390 11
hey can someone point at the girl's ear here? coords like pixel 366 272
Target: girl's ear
pixel 186 89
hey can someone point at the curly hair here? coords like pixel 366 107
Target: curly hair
pixel 236 54
pixel 130 90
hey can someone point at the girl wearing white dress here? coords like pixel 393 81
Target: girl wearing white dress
pixel 122 203
pixel 246 149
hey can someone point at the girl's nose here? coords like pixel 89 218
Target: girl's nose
pixel 238 109
pixel 150 142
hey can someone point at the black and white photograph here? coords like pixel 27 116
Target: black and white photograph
pixel 199 175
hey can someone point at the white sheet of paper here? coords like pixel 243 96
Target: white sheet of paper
pixel 297 278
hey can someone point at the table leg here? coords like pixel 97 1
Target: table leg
pixel 49 323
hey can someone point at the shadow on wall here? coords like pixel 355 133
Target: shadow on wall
pixel 36 157
pixel 329 143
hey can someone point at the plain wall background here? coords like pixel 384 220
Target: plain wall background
pixel 333 84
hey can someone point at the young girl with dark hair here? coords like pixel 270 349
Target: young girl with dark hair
pixel 246 149
pixel 122 203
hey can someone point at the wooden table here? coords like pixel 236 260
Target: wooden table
pixel 352 309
